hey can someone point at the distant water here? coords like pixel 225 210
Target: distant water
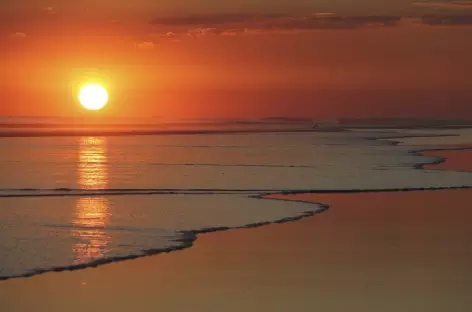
pixel 58 195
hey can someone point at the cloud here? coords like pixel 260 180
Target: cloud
pixel 19 35
pixel 242 21
pixel 167 36
pixel 202 32
pixel 445 4
pixel 233 24
pixel 50 10
pixel 144 45
pixel 324 14
pixel 209 21
pixel 200 26
pixel 447 20
pixel 232 32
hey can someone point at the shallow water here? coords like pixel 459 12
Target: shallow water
pixel 197 182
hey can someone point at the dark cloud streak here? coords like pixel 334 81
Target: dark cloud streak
pixel 445 4
pixel 451 20
pixel 236 24
pixel 223 23
pixel 211 20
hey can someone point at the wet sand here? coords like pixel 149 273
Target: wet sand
pixel 453 160
pixel 407 251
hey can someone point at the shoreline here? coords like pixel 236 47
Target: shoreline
pixel 375 259
pixel 379 252
pixel 251 193
pixel 190 237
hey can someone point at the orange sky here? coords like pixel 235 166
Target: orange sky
pixel 220 60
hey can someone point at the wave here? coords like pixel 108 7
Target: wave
pixel 18 193
pixel 186 238
pixel 231 165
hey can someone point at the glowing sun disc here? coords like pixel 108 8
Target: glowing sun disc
pixel 93 97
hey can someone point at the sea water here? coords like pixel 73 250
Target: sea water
pixel 74 201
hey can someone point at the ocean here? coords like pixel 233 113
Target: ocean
pixel 79 198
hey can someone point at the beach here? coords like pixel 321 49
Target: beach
pixel 393 251
pixel 220 156
pixel 210 156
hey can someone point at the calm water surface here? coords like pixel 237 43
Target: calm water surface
pixel 203 181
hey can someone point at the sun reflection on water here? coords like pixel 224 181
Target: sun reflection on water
pixel 93 162
pixel 91 213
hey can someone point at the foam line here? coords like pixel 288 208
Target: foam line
pixel 185 240
pixel 228 192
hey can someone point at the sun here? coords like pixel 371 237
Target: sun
pixel 93 97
